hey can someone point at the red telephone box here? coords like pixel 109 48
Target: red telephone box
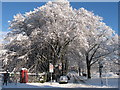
pixel 23 75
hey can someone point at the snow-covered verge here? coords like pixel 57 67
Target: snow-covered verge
pixel 104 82
pixel 107 80
pixel 104 75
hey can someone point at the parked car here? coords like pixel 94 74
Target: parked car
pixel 118 73
pixel 63 79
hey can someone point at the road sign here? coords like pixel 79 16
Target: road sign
pixel 60 66
pixel 51 67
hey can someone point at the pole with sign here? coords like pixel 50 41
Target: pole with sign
pixel 51 70
pixel 60 66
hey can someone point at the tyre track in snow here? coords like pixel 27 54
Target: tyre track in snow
pixel 74 78
pixel 78 79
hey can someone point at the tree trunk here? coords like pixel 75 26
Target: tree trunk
pixel 88 71
pixel 88 67
pixel 79 71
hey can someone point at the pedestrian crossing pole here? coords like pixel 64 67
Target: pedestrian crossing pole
pixel 51 78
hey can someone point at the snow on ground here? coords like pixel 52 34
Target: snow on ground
pixel 92 83
pixel 107 82
pixel 95 82
pixel 108 79
pixel 109 75
pixel 48 85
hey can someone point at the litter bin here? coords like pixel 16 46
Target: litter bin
pixel 23 75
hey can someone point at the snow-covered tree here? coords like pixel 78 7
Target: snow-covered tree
pixel 51 27
pixel 53 32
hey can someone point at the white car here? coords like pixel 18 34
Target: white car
pixel 63 79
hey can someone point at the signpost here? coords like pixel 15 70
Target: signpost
pixel 51 70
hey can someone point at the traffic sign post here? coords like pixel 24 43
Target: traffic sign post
pixel 51 70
